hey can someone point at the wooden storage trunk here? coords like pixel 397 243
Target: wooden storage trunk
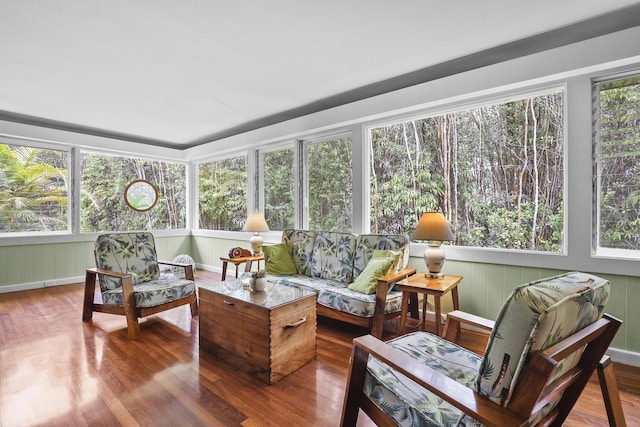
pixel 269 334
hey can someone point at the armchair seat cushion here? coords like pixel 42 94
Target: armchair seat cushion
pixel 405 401
pixel 149 294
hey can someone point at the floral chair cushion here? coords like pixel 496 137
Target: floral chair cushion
pixel 151 294
pixel 133 253
pixel 367 243
pixel 534 317
pixel 409 404
pixel 332 257
pixel 302 242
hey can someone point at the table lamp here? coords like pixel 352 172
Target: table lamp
pixel 256 223
pixel 433 227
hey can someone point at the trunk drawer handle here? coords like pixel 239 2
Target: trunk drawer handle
pixel 295 324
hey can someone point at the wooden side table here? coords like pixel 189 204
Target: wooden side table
pixel 240 260
pixel 418 283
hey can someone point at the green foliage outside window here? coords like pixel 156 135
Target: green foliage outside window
pixel 496 172
pixel 33 189
pixel 279 185
pixel 222 189
pixel 618 144
pixel 330 185
pixel 102 205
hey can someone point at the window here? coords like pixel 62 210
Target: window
pixel 222 194
pixel 330 185
pixel 495 171
pixel 34 196
pixel 102 205
pixel 279 188
pixel 617 148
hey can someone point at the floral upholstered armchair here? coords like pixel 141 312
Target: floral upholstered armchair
pixel 128 272
pixel 548 339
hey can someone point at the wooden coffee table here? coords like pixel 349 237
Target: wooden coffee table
pixel 269 334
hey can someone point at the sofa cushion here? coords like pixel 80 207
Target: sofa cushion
pixel 302 244
pixel 332 257
pixel 367 243
pixel 357 303
pixel 377 267
pixel 277 259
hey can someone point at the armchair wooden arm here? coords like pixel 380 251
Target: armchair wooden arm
pixel 384 284
pixel 188 268
pixel 536 387
pixel 456 318
pixel 455 393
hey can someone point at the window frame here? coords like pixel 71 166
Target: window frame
pixel 258 194
pixel 598 251
pixel 8 237
pixel 497 97
pixel 194 224
pixel 305 144
pixel 80 151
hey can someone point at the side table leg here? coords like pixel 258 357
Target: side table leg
pixel 456 304
pixel 403 314
pixel 224 270
pixel 436 299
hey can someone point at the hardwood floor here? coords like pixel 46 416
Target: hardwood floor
pixel 57 370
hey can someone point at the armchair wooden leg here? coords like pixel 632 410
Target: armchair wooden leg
pixel 355 382
pixel 89 293
pixel 133 327
pixel 609 386
pixel 194 308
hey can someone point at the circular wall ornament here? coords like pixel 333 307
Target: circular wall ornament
pixel 140 195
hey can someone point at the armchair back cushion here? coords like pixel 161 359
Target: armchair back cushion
pixel 133 253
pixel 534 317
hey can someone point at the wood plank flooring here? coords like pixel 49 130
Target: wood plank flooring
pixel 56 370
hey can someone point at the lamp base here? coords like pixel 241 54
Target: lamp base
pixel 434 275
pixel 256 243
pixel 434 260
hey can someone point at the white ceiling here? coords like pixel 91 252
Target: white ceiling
pixel 181 73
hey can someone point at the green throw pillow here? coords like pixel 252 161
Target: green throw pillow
pixel 397 258
pixel 367 281
pixel 278 260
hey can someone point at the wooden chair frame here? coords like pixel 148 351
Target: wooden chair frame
pixel 533 391
pixel 130 310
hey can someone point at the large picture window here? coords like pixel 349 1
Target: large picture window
pixel 495 171
pixel 34 195
pixel 279 188
pixel 102 203
pixel 330 185
pixel 222 194
pixel 617 147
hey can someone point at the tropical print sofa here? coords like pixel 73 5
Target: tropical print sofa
pixel 328 262
pixel 536 316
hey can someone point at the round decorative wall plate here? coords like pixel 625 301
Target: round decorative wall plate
pixel 140 195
